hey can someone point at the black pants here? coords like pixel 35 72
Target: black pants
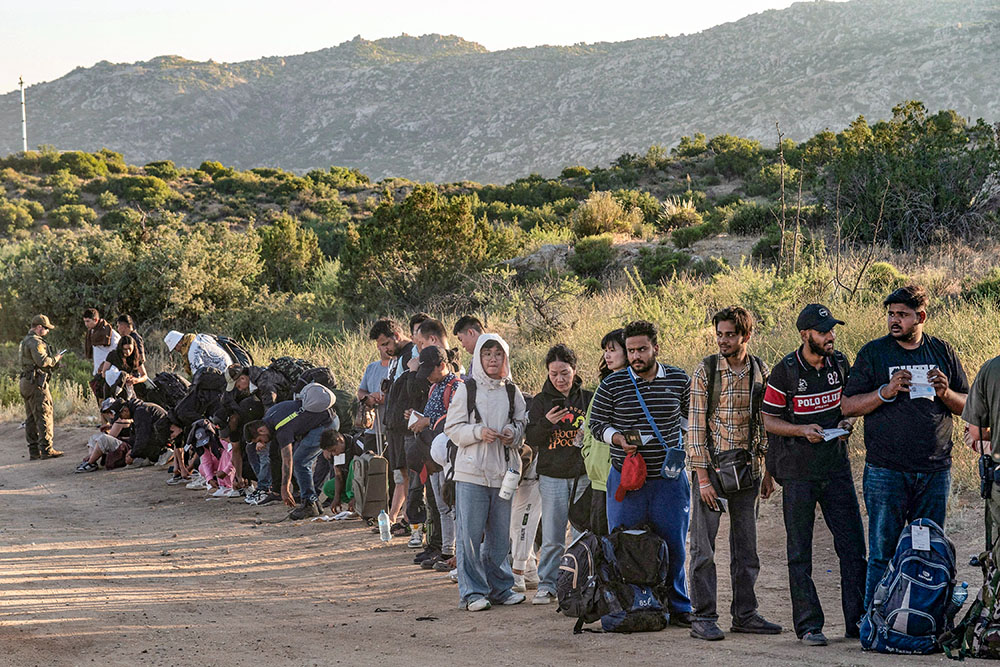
pixel 598 512
pixel 839 501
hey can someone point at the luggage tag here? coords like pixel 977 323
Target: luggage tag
pixel 920 536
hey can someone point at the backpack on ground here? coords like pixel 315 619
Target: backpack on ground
pixel 370 484
pixel 167 389
pixel 318 375
pixel 239 354
pixel 909 609
pixel 616 579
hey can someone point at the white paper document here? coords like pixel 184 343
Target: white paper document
pixel 920 386
pixel 831 433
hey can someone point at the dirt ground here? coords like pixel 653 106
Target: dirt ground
pixel 117 568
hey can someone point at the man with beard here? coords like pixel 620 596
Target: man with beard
pixel 801 407
pixel 726 429
pixel 651 398
pixel 907 385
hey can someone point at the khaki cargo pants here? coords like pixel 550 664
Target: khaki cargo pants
pixel 38 416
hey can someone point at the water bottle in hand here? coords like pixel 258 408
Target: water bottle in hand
pixel 383 526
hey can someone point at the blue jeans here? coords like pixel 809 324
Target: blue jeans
pixel 664 504
pixel 555 515
pixel 482 526
pixel 303 457
pixel 839 501
pixel 894 499
pixel 261 464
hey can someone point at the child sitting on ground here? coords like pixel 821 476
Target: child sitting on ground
pixel 216 459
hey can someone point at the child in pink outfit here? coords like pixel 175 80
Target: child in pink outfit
pixel 218 470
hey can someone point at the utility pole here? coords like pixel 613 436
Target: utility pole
pixel 24 117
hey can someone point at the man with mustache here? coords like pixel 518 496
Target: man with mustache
pixel 801 404
pixel 907 385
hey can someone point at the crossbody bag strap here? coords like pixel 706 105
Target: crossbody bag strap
pixel 713 391
pixel 645 410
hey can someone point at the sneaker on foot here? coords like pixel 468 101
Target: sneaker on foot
pixel 139 463
pixel 86 467
pixel 231 493
pixel 267 499
pixel 482 604
pixel 513 599
pixel 252 497
pixel 707 630
pixel 400 529
pixel 756 625
pixel 306 510
pixel 518 586
pixel 543 597
pixel 531 580
pixel 446 564
pixel 453 576
pixel 429 563
pixel 815 638
pixel 177 479
pixel 198 484
pixel 416 539
pixel 164 457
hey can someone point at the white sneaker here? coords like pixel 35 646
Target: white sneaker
pixel 453 576
pixel 482 604
pixel 514 598
pixel 219 492
pixel 164 457
pixel 252 497
pixel 416 539
pixel 518 586
pixel 231 493
pixel 198 485
pixel 543 597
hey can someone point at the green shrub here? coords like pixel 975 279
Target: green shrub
pixel 685 237
pixel 533 190
pixel 767 182
pixel 147 191
pixel 163 169
pixel 83 165
pixel 107 200
pixel 883 277
pixel 660 262
pixel 640 199
pixel 14 215
pixel 677 212
pixel 689 147
pixel 986 289
pixel 71 215
pixel 735 156
pixel 289 253
pixel 575 172
pixel 592 255
pixel 602 213
pixel 750 218
pixel 215 169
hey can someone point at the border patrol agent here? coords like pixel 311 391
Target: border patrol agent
pixel 36 366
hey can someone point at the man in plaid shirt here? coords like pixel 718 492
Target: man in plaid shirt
pixel 740 379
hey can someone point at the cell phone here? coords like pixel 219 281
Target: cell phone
pixel 62 352
pixel 633 438
pixel 559 402
pixel 723 504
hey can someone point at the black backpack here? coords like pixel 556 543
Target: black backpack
pixel 237 352
pixel 167 389
pixel 209 380
pixel 320 375
pixel 291 368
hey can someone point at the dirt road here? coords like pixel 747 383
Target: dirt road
pixel 117 568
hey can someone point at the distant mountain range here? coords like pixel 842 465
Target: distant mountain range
pixel 442 108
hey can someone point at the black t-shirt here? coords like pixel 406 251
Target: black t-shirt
pixel 801 394
pixel 908 434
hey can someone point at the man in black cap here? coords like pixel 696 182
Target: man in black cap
pixel 907 385
pixel 807 455
pixel 36 367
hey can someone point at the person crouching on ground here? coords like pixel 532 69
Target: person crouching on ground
pixel 215 458
pixel 487 434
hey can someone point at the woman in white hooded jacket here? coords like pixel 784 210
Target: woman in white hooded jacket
pixel 488 443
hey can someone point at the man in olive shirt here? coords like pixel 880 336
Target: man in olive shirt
pixel 36 366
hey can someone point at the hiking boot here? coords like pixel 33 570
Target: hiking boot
pixel 756 625
pixel 482 604
pixel 543 597
pixel 416 539
pixel 681 619
pixel 707 630
pixel 306 510
pixel 513 599
pixel 139 463
pixel 814 638
pixel 51 454
pixel 86 467
pixel 267 499
pixel 34 455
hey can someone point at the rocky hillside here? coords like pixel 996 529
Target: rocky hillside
pixel 442 108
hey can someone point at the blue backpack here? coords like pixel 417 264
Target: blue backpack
pixel 908 610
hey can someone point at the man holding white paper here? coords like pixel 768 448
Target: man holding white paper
pixel 907 385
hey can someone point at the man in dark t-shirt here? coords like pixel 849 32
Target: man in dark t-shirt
pixel 907 385
pixel 809 459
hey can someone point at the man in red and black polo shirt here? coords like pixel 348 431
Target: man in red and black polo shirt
pixel 801 409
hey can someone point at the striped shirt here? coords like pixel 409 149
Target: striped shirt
pixel 616 408
pixel 730 423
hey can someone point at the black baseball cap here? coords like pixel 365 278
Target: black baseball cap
pixel 431 357
pixel 818 317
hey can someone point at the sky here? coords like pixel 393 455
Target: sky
pixel 44 40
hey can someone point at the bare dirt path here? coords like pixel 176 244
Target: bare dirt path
pixel 117 568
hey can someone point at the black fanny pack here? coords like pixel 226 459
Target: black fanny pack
pixel 734 470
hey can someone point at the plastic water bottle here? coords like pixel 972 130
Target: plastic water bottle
pixel 383 526
pixel 958 598
pixel 509 484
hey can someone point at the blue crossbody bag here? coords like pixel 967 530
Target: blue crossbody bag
pixel 673 464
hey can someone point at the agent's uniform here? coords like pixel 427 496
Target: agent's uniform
pixel 36 366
